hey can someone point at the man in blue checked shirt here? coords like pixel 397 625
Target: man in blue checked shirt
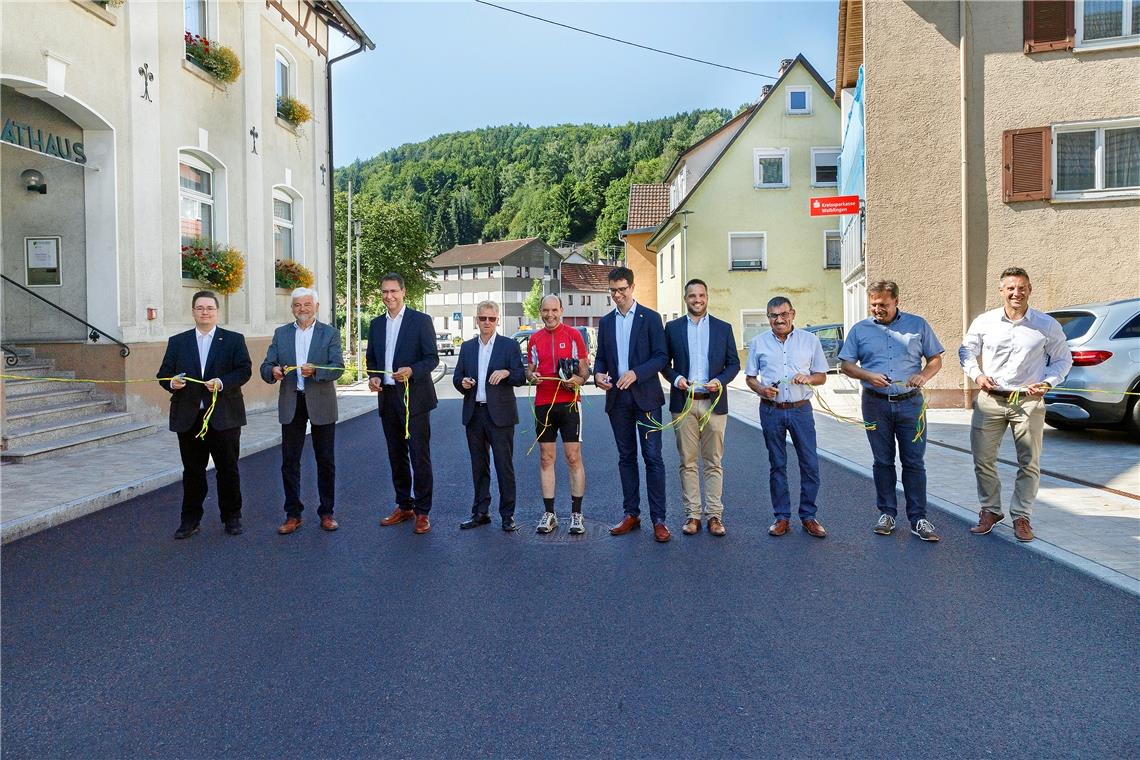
pixel 894 354
pixel 781 363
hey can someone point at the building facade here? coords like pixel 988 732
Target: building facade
pixel 648 207
pixel 586 293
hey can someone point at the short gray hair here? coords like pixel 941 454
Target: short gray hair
pixel 487 305
pixel 555 296
pixel 302 292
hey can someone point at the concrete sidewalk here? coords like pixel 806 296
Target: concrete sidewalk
pixel 1087 513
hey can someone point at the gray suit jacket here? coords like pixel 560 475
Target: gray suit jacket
pixel 320 389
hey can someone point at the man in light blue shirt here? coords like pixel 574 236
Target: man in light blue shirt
pixel 781 363
pixel 887 352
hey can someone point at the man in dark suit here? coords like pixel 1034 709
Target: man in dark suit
pixel 308 395
pixel 207 351
pixel 631 351
pixel 702 362
pixel 488 371
pixel 401 355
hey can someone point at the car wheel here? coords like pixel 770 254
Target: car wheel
pixel 1132 419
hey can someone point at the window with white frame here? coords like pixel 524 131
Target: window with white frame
pixel 832 249
pixel 609 301
pixel 661 266
pixel 195 199
pixel 587 300
pixel 197 20
pixel 679 187
pixel 1104 23
pixel 747 250
pixel 283 239
pixel 1096 159
pixel 570 299
pixel 752 323
pixel 282 70
pixel 825 167
pixel 672 261
pixel 798 100
pixel 770 167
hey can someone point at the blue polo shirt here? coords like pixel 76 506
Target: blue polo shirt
pixel 895 349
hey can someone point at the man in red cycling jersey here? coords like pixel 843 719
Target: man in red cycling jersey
pixel 557 361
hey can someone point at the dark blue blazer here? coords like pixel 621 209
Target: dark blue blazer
pixel 724 361
pixel 415 348
pixel 505 354
pixel 228 360
pixel 647 357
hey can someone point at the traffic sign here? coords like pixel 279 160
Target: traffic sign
pixel 457 316
pixel 834 205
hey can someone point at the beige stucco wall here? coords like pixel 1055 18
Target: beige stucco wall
pixel 1075 252
pixel 644 266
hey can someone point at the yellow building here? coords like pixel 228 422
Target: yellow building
pixel 739 210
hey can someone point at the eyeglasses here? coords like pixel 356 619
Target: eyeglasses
pixel 616 291
pixel 488 319
pixel 781 315
pixel 205 308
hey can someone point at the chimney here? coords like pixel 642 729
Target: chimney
pixel 765 91
pixel 785 64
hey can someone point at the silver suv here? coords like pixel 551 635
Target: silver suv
pixel 1105 341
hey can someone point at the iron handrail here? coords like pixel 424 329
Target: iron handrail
pixel 93 336
pixel 13 358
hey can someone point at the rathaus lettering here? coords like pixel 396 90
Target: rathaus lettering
pixel 26 136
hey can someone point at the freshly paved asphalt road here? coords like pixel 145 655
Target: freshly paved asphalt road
pixel 374 642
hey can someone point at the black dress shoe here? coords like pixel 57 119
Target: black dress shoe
pixel 475 521
pixel 509 524
pixel 185 530
pixel 233 527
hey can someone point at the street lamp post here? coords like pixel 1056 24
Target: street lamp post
pixel 358 230
pixel 348 276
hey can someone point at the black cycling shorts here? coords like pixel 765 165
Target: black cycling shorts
pixel 563 418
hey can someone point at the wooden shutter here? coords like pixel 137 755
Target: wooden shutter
pixel 1049 25
pixel 1025 164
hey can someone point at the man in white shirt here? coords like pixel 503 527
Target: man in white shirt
pixel 1014 354
pixel 781 363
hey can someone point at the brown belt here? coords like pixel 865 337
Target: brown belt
pixel 785 404
pixel 999 394
pixel 702 396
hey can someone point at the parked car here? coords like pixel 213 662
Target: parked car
pixel 589 337
pixel 444 344
pixel 831 337
pixel 1105 341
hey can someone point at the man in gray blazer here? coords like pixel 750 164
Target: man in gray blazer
pixel 308 395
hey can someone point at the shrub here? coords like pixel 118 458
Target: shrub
pixel 211 263
pixel 293 111
pixel 219 60
pixel 289 274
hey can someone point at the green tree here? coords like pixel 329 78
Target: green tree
pixel 533 302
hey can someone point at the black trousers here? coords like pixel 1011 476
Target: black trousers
pixel 484 439
pixel 292 445
pixel 224 446
pixel 409 458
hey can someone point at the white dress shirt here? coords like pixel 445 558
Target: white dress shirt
pixel 484 362
pixel 771 360
pixel 204 342
pixel 391 332
pixel 303 338
pixel 1016 353
pixel 624 328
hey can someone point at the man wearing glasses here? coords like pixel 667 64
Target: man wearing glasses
pixel 487 372
pixel 781 362
pixel 631 353
pixel 207 351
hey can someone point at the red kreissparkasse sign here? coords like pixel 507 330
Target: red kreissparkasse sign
pixel 834 205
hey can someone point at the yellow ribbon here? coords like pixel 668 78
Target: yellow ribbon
pixel 574 405
pixel 287 368
pixel 658 427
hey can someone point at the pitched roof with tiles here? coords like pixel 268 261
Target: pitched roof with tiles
pixel 587 277
pixel 648 205
pixel 479 253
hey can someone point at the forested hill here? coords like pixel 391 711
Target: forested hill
pixel 568 182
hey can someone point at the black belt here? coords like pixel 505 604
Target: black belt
pixel 786 404
pixel 895 396
pixel 1000 394
pixel 480 403
pixel 702 396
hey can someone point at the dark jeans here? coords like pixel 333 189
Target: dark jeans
pixel 628 434
pixel 897 421
pixel 409 458
pixel 484 440
pixel 777 423
pixel 224 446
pixel 292 445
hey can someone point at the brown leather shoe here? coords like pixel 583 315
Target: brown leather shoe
pixel 778 528
pixel 692 526
pixel 661 533
pixel 423 524
pixel 813 528
pixel 986 522
pixel 291 524
pixel 328 523
pixel 1021 529
pixel 398 516
pixel 716 527
pixel 628 523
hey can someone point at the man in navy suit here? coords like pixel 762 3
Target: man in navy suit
pixel 703 361
pixel 488 371
pixel 401 355
pixel 631 351
pixel 207 351
pixel 307 398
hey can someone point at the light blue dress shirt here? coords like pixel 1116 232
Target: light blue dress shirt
pixel 624 328
pixel 895 349
pixel 771 360
pixel 697 331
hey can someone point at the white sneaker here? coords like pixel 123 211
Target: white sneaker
pixel 548 523
pixel 886 525
pixel 577 524
pixel 924 529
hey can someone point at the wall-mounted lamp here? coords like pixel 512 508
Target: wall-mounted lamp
pixel 357 228
pixel 151 313
pixel 34 181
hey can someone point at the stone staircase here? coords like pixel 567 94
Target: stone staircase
pixel 44 416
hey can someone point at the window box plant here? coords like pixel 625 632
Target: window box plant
pixel 289 274
pixel 293 111
pixel 211 263
pixel 221 62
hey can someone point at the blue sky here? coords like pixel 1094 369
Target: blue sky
pixel 443 67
